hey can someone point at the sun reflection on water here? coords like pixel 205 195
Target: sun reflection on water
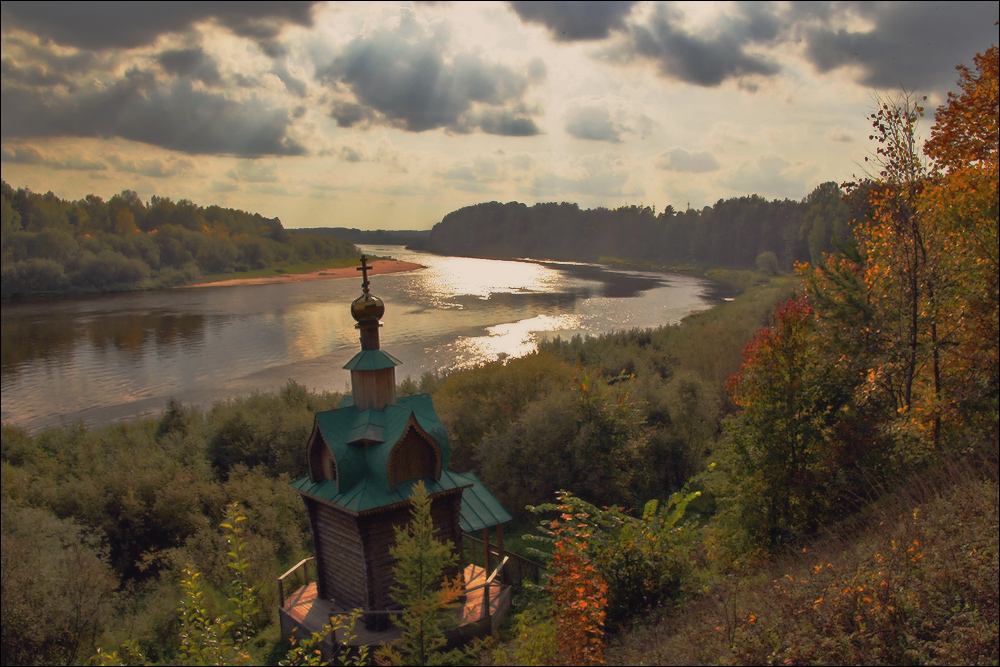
pixel 450 277
pixel 511 340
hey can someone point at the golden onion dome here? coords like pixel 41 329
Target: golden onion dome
pixel 367 308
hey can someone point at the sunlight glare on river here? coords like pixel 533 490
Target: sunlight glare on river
pixel 508 341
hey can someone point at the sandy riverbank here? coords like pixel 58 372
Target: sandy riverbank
pixel 379 267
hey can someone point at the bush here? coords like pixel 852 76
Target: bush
pixel 767 263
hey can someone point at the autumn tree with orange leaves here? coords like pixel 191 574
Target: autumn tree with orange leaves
pixel 890 359
pixel 927 265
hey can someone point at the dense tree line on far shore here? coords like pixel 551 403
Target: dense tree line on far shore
pixel 53 245
pixel 733 232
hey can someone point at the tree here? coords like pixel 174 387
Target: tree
pixel 961 205
pixel 56 588
pixel 426 599
pixel 930 255
pixel 777 457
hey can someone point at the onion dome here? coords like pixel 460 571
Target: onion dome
pixel 367 308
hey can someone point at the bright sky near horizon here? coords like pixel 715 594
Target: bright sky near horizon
pixel 390 115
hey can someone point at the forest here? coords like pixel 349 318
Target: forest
pixel 50 245
pixel 733 232
pixel 805 474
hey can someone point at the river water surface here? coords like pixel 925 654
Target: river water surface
pixel 100 359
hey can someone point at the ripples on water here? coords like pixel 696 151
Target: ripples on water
pixel 116 356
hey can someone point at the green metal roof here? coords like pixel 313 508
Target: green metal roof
pixel 361 442
pixel 479 508
pixel 372 360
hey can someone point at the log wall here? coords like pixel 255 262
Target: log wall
pixel 340 557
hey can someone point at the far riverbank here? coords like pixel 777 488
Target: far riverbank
pixel 379 267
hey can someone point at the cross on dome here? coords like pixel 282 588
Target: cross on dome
pixel 364 273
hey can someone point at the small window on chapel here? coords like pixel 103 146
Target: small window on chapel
pixel 327 465
pixel 412 458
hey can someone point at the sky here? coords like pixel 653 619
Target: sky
pixel 390 115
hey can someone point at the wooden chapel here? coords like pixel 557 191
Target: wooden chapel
pixel 364 459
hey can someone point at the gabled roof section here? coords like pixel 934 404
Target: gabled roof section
pixel 372 360
pixel 479 508
pixel 361 440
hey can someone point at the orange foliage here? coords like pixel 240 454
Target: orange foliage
pixel 579 593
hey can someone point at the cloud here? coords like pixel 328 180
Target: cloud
pixel 348 154
pixel 152 167
pixel 194 63
pixel 402 78
pixel 278 190
pixel 254 172
pixel 704 59
pixel 593 123
pixel 118 25
pixel 908 45
pixel 25 154
pixel 594 176
pixel 223 186
pixel 678 159
pixel 482 169
pixel 27 63
pixel 769 176
pixel 840 135
pixel 293 84
pixel 570 21
pixel 139 108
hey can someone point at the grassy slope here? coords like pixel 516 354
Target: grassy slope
pixel 914 581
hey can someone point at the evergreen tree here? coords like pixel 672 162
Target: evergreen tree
pixel 422 559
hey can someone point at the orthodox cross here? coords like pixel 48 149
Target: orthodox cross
pixel 364 273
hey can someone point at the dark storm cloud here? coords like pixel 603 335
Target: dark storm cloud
pixel 592 123
pixel 138 108
pixel 571 21
pixel 117 25
pixel 913 45
pixel 194 63
pixel 910 45
pixel 401 78
pixel 26 62
pixel 710 59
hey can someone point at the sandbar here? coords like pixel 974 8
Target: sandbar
pixel 379 267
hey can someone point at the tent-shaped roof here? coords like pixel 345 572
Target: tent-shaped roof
pixel 372 360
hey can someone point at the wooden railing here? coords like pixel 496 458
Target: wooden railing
pixel 302 565
pixel 518 568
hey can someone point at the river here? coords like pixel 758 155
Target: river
pixel 110 357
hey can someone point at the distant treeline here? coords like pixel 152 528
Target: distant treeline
pixel 376 236
pixel 52 245
pixel 734 232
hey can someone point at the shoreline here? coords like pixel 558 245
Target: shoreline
pixel 379 267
